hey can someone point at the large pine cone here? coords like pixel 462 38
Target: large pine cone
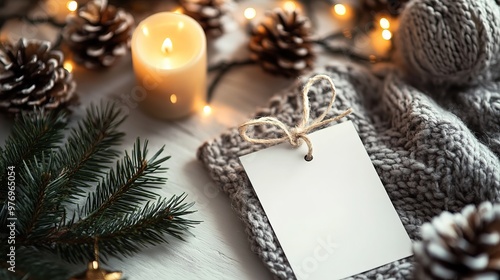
pixel 282 44
pixel 393 7
pixel 98 34
pixel 208 13
pixel 32 76
pixel 464 245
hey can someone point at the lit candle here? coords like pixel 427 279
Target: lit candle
pixel 170 64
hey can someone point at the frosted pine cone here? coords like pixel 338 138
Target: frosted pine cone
pixel 282 44
pixel 464 245
pixel 32 76
pixel 98 34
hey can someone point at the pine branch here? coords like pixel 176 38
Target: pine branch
pixel 146 226
pixel 31 136
pixel 132 232
pixel 119 211
pixel 89 149
pixel 128 185
pixel 38 206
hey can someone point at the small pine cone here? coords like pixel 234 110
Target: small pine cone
pixel 32 76
pixel 464 245
pixel 393 7
pixel 282 43
pixel 98 34
pixel 208 13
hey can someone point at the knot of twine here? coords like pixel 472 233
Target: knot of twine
pixel 296 135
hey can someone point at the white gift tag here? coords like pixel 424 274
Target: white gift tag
pixel 332 215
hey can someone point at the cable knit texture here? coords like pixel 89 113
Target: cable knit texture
pixel 453 42
pixel 432 153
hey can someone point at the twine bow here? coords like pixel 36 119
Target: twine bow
pixel 294 134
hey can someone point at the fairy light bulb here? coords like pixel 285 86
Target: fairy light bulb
pixel 72 6
pixel 386 34
pixel 289 6
pixel 384 23
pixel 250 13
pixel 207 110
pixel 340 9
pixel 68 66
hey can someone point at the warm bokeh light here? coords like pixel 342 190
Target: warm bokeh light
pixel 207 110
pixel 249 13
pixel 178 10
pixel 173 98
pixel 72 6
pixel 68 66
pixel 340 9
pixel 384 23
pixel 386 34
pixel 289 6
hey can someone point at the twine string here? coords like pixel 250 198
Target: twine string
pixel 298 134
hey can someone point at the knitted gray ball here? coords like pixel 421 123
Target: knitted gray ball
pixel 450 42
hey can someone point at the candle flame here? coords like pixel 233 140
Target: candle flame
pixel 167 46
pixel 249 13
pixel 340 9
pixel 95 265
pixel 173 98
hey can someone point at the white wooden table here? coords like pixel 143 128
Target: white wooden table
pixel 218 248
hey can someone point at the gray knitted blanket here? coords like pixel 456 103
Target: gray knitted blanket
pixel 433 152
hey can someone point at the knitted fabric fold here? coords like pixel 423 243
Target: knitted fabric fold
pixel 433 152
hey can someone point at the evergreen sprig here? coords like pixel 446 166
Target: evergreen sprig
pixel 54 171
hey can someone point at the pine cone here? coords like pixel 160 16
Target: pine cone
pixel 281 44
pixel 393 7
pixel 98 34
pixel 464 245
pixel 32 76
pixel 208 13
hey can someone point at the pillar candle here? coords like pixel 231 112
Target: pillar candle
pixel 170 64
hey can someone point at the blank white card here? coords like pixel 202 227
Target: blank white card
pixel 332 215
